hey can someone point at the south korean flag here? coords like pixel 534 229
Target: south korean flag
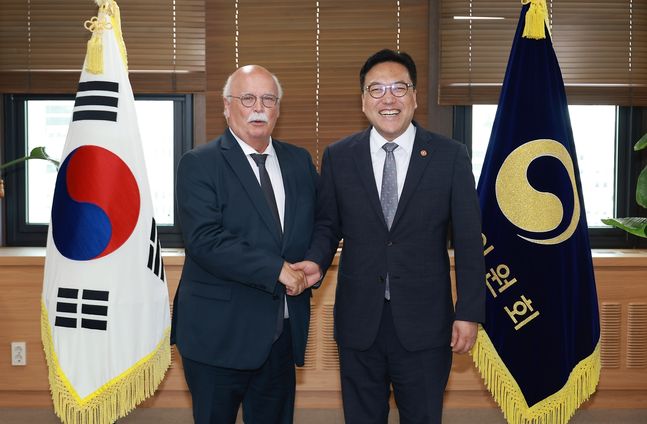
pixel 105 305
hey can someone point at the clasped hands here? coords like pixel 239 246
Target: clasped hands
pixel 299 276
pixel 302 275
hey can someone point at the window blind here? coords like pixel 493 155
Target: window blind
pixel 601 46
pixel 321 103
pixel 43 44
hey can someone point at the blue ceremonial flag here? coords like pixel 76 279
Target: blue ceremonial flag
pixel 538 350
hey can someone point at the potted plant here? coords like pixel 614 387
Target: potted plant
pixel 635 225
pixel 36 153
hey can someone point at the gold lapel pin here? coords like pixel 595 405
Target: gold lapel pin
pixel 423 153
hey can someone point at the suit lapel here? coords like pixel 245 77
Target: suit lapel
pixel 420 156
pixel 289 185
pixel 362 155
pixel 234 155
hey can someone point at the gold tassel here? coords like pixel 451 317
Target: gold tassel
pixel 94 54
pixel 113 400
pixel 555 409
pixel 536 19
pixel 96 25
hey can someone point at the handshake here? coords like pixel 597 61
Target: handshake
pixel 299 276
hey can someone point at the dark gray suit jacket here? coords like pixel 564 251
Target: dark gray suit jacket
pixel 438 194
pixel 226 307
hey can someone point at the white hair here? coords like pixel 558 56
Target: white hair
pixel 226 90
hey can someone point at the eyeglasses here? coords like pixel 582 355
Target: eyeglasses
pixel 249 100
pixel 398 89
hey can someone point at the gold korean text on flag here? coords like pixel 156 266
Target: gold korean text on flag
pixel 538 350
pixel 105 307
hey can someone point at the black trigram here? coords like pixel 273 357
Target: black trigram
pixel 93 313
pixel 96 101
pixel 155 261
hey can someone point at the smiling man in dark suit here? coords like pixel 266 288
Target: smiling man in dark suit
pixel 392 192
pixel 246 207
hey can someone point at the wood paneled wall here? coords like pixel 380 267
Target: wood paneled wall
pixel 622 290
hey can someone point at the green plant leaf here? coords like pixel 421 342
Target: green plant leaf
pixel 36 153
pixel 641 188
pixel 40 153
pixel 633 225
pixel 642 143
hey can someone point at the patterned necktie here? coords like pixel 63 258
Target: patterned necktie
pixel 389 195
pixel 268 191
pixel 266 186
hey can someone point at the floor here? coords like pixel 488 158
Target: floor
pixel 329 416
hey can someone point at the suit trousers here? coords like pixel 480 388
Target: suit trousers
pixel 267 394
pixel 418 378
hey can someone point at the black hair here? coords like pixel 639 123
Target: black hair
pixel 388 55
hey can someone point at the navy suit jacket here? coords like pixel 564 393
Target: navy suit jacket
pixel 438 194
pixel 227 304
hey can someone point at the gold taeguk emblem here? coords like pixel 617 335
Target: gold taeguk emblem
pixel 527 208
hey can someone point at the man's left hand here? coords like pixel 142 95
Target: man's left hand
pixel 463 336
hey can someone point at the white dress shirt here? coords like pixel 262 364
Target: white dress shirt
pixel 402 156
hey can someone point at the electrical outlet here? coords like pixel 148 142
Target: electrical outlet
pixel 18 354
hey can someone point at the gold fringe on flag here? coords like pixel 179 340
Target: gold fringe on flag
pixel 536 19
pixel 96 25
pixel 113 400
pixel 555 409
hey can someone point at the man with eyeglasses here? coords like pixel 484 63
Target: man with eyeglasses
pixel 393 192
pixel 246 207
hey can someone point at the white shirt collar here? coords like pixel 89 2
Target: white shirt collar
pixel 248 150
pixel 405 140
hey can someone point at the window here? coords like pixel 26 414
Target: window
pixel 165 127
pixel 603 136
pixel 594 132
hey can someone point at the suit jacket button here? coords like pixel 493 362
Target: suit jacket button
pixel 389 243
pixel 381 279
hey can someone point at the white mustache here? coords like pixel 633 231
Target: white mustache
pixel 256 116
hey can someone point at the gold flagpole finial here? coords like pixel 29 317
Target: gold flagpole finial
pixel 536 19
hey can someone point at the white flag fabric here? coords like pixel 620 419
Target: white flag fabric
pixel 105 307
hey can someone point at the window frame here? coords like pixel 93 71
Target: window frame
pixel 17 231
pixel 629 128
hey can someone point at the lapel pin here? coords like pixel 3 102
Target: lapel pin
pixel 423 153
